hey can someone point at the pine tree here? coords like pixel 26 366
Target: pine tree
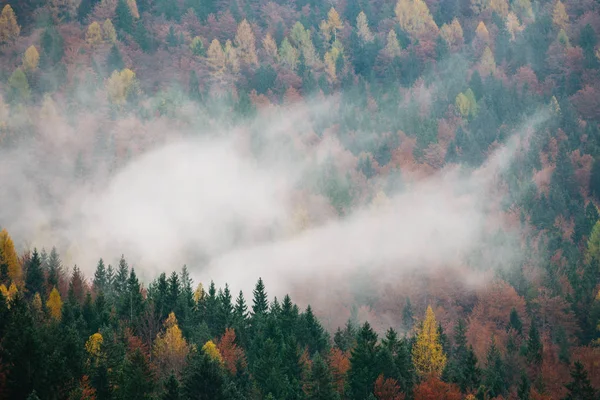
pixel 407 316
pixel 194 85
pixel 580 387
pixel 495 379
pixel 203 379
pixel 114 60
pixel 311 333
pixel 34 282
pixel 120 282
pixel 54 269
pixel 138 378
pixel 171 391
pixel 320 385
pixel 524 388
pixel 123 17
pixel 534 345
pixel 515 321
pixel 363 371
pixel 260 302
pixel 100 282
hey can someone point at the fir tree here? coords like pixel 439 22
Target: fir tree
pixel 100 282
pixel 580 387
pixel 363 371
pixel 260 302
pixel 123 19
pixel 34 281
pixel 171 391
pixel 321 382
pixel 534 345
pixel 114 60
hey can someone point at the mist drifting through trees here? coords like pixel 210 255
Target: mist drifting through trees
pixel 296 199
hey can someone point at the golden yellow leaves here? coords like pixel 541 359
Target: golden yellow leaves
pixel 466 103
pixel 93 36
pixel 31 59
pixel 94 345
pixel 560 16
pixel 9 293
pixel 428 356
pixel 110 34
pixel 9 29
pixel 120 86
pixel 453 34
pixel 170 347
pixel 216 58
pixel 54 304
pixel 210 349
pixel 392 46
pixel 414 17
pixel 362 27
pixel 246 43
pixel 330 26
pixel 9 257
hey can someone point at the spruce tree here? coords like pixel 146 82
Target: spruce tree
pixel 260 302
pixel 114 60
pixel 120 281
pixel 534 345
pixel 171 391
pixel 580 387
pixel 123 19
pixel 203 379
pixel 495 379
pixel 363 371
pixel 320 385
pixel 100 277
pixel 34 281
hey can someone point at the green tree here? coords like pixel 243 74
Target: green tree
pixel 363 364
pixel 123 18
pixel 494 375
pixel 18 87
pixel 138 378
pixel 34 281
pixel 320 385
pixel 260 302
pixel 100 282
pixel 203 379
pixel 580 387
pixel 171 390
pixel 114 60
pixel 534 345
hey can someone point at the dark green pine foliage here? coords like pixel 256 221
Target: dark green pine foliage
pixel 203 379
pixel 100 281
pixel 194 86
pixel 33 396
pixel 580 387
pixel 240 319
pixel 462 364
pixel 345 339
pixel 171 389
pixel 114 60
pixel 268 371
pixel 123 20
pixel 84 9
pixel 494 376
pixel 137 379
pixel 120 281
pixel 225 309
pixel 524 388
pixel 363 371
pixel 132 300
pixel 595 180
pixel 158 293
pixel 321 385
pixel 172 40
pixel 260 303
pixel 311 333
pixel 53 47
pixel 34 281
pixel 515 322
pixel 212 307
pixel 534 345
pixel 173 293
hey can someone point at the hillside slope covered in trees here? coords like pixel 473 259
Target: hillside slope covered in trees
pixel 424 173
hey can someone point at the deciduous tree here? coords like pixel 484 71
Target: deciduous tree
pixel 428 356
pixel 9 29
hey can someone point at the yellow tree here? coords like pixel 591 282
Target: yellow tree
pixel 246 44
pixel 94 345
pixel 593 244
pixel 9 257
pixel 560 16
pixel 462 104
pixel 120 86
pixel 513 24
pixel 453 34
pixel 31 59
pixel 392 46
pixel 109 32
pixel 428 356
pixel 63 8
pixel 211 349
pixel 330 61
pixel 288 55
pixel 133 8
pixel 487 65
pixel 334 23
pixel 232 59
pixel 9 29
pixel 9 293
pixel 270 47
pixel 170 348
pixel 482 33
pixel 414 17
pixel 93 36
pixel 54 304
pixel 300 37
pixel 362 27
pixel 215 57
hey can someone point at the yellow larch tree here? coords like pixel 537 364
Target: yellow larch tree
pixel 513 25
pixel 94 345
pixel 9 28
pixel 9 257
pixel 288 55
pixel 330 62
pixel 133 8
pixel 232 59
pixel 392 45
pixel 462 104
pixel 453 34
pixel 31 59
pixel 482 32
pixel 270 46
pixel 427 353
pixel 54 304
pixel 93 36
pixel 215 57
pixel 170 347
pixel 120 85
pixel 523 9
pixel 9 293
pixel 59 9
pixel 414 17
pixel 211 349
pixel 487 65
pixel 246 44
pixel 198 296
pixel 560 16
pixel 109 32
pixel 334 22
pixel 500 7
pixel 362 27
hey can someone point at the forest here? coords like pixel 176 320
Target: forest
pixel 298 199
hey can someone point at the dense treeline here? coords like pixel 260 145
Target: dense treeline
pixel 433 83
pixel 115 340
